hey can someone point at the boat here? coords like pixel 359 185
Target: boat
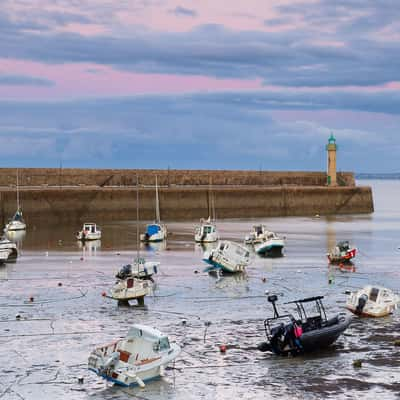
pixel 9 250
pixel 372 301
pixel 342 253
pixel 206 232
pixel 90 231
pixel 257 235
pixel 140 269
pixel 17 222
pixel 269 244
pixel 138 358
pixel 155 232
pixel 131 288
pixel 134 282
pixel 291 335
pixel 229 256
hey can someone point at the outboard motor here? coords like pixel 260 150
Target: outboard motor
pixel 362 301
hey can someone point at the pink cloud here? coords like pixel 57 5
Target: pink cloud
pixel 86 80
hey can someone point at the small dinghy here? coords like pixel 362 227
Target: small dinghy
pixel 271 245
pixel 141 356
pixel 229 256
pixel 342 253
pixel 372 301
pixel 89 232
pixel 287 334
pixel 8 249
pixel 140 269
pixel 206 232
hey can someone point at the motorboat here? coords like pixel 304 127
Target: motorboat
pixel 16 223
pixel 271 245
pixel 10 248
pixel 206 232
pixel 140 269
pixel 257 235
pixel 229 256
pixel 156 232
pixel 372 301
pixel 289 334
pixel 90 231
pixel 138 358
pixel 342 253
pixel 130 288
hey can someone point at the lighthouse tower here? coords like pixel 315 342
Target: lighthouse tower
pixel 331 148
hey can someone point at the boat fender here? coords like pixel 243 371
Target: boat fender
pixel 139 382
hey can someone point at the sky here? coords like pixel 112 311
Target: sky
pixel 200 84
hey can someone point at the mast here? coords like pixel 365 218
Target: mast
pixel 157 204
pixel 17 191
pixel 137 218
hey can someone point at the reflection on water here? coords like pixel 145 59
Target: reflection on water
pixel 154 246
pixel 89 247
pixel 72 318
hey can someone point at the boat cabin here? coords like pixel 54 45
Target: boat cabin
pixel 89 227
pixel 141 334
pixel 232 250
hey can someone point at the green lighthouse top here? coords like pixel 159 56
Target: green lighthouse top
pixel 331 143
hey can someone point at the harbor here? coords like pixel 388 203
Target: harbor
pixel 53 313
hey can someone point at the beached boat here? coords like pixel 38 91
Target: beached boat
pixel 271 245
pixel 228 256
pixel 131 288
pixel 139 269
pixel 287 334
pixel 342 253
pixel 9 250
pixel 206 232
pixel 157 231
pixel 131 361
pixel 257 235
pixel 372 301
pixel 17 222
pixel 90 231
pixel 134 282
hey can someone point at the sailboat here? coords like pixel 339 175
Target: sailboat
pixel 207 232
pixel 156 232
pixel 134 282
pixel 17 222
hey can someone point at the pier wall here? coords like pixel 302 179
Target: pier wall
pixel 183 203
pixel 51 177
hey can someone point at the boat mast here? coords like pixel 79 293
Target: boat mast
pixel 157 204
pixel 137 218
pixel 17 191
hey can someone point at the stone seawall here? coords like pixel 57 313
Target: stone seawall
pixel 51 177
pixel 184 203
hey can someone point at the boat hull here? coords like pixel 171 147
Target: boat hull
pixel 88 236
pixel 15 226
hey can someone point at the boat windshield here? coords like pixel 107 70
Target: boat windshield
pixel 164 344
pixel 207 229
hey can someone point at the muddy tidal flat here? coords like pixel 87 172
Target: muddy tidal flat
pixel 56 287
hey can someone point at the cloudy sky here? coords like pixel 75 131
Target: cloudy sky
pixel 200 83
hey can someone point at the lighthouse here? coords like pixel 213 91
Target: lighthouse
pixel 331 148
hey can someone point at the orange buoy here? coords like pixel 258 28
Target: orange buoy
pixel 222 348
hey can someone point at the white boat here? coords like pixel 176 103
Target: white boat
pixel 134 282
pixel 131 288
pixel 90 231
pixel 139 269
pixel 228 256
pixel 17 222
pixel 270 245
pixel 257 235
pixel 131 361
pixel 10 248
pixel 157 231
pixel 206 232
pixel 372 301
